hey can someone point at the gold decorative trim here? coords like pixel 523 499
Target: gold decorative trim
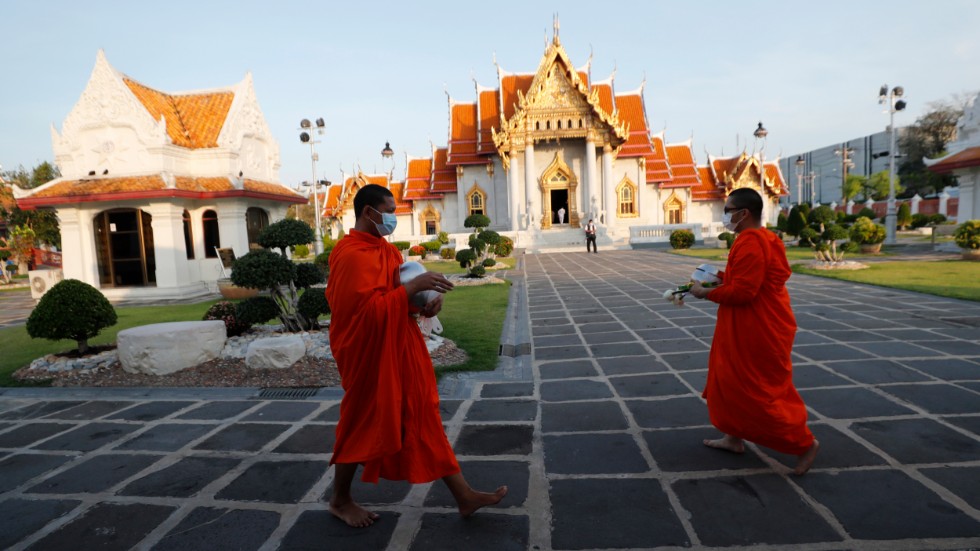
pixel 476 190
pixel 549 182
pixel 672 201
pixel 624 183
pixel 430 214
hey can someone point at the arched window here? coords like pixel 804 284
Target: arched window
pixel 626 192
pixel 212 239
pixel 256 220
pixel 429 219
pixel 537 125
pixel 559 124
pixel 124 248
pixel 476 201
pixel 674 209
pixel 547 125
pixel 188 236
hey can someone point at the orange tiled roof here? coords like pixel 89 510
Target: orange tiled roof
pixel 489 107
pixel 631 111
pixel 401 205
pixel 708 189
pixel 682 165
pixel 774 177
pixel 462 135
pixel 333 199
pixel 605 97
pixel 967 158
pixel 418 180
pixel 658 170
pixel 509 85
pixel 193 121
pixel 105 189
pixel 443 177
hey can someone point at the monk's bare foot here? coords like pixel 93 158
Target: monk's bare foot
pixel 805 461
pixel 475 500
pixel 353 514
pixel 727 443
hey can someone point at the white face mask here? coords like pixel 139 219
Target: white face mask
pixel 726 219
pixel 388 222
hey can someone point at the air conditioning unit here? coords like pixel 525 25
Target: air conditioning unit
pixel 42 280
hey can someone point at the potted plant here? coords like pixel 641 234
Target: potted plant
pixel 967 237
pixel 868 235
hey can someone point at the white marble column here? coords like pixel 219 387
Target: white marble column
pixel 591 185
pixel 943 202
pixel 531 191
pixel 78 253
pixel 231 227
pixel 169 254
pixel 609 187
pixel 513 191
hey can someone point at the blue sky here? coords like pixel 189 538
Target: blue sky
pixel 377 71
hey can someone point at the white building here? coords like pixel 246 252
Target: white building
pixel 538 142
pixel 152 183
pixel 963 161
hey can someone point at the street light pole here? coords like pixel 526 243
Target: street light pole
pixel 760 134
pixel 894 104
pixel 305 127
pixel 800 164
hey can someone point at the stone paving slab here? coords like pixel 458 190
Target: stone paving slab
pixel 597 433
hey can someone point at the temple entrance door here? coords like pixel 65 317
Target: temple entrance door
pixel 559 200
pixel 125 248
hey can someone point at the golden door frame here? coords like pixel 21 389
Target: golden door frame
pixel 546 185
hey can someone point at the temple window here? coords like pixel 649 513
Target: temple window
pixel 559 125
pixel 674 209
pixel 547 125
pixel 537 125
pixel 212 239
pixel 188 236
pixel 256 220
pixel 476 201
pixel 570 123
pixel 626 192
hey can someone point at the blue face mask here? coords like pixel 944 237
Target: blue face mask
pixel 388 223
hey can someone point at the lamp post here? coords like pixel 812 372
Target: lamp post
pixel 810 179
pixel 305 136
pixel 760 134
pixel 800 164
pixel 317 216
pixel 847 162
pixel 387 154
pixel 892 97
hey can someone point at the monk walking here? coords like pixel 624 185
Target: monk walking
pixel 389 415
pixel 750 390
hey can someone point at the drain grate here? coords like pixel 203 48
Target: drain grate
pixel 287 393
pixel 514 351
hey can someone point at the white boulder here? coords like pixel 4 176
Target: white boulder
pixel 275 352
pixel 164 348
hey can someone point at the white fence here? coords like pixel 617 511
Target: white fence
pixel 661 233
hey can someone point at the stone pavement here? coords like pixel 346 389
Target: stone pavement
pixel 597 432
pixel 15 306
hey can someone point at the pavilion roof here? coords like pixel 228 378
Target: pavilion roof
pixel 193 120
pixel 968 158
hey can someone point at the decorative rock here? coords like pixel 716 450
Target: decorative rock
pixel 164 348
pixel 275 352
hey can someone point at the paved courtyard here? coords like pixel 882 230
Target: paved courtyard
pixel 597 432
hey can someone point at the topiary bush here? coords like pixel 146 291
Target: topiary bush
pixel 262 269
pixel 781 222
pixel 821 217
pixel 71 309
pixel 728 237
pixel 867 213
pixel 796 221
pixel 301 251
pixel 256 310
pixel 322 261
pixel 849 247
pixel 448 253
pixel 937 219
pixel 401 245
pixel 505 248
pixel 808 237
pixel 681 239
pixel 432 246
pixel 478 271
pixel 919 220
pixel 465 257
pixel 866 232
pixel 228 313
pixel 308 275
pixel 967 235
pixel 288 232
pixel 904 216
pixel 477 221
pixel 489 262
pixel 313 304
pixel 443 238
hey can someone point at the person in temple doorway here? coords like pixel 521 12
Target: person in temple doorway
pixel 590 236
pixel 561 215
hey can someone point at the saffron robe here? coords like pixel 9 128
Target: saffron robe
pixel 389 414
pixel 750 390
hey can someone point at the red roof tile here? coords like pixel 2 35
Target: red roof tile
pixel 682 166
pixel 509 86
pixel 443 177
pixel 401 205
pixel 967 158
pixel 193 121
pixel 658 170
pixel 418 180
pixel 462 135
pixel 708 189
pixel 109 189
pixel 489 101
pixel 605 97
pixel 632 112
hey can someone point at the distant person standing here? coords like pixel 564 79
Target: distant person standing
pixel 590 236
pixel 750 390
pixel 561 215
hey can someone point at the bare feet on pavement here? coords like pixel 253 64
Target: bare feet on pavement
pixel 727 443
pixel 805 461
pixel 353 514
pixel 475 500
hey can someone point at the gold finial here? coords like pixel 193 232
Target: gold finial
pixel 556 25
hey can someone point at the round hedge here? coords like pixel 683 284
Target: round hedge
pixel 322 261
pixel 257 310
pixel 285 233
pixel 465 257
pixel 228 313
pixel 308 275
pixel 489 262
pixel 448 253
pixel 313 303
pixel 681 239
pixel 71 309
pixel 728 237
pixel 476 221
pixel 490 237
pixel 263 269
pixel 505 247
pixel 866 232
pixel 478 271
pixel 967 235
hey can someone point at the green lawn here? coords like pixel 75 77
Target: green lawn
pixel 792 253
pixel 473 318
pixel 452 267
pixel 949 278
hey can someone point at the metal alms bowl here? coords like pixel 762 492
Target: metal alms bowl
pixel 409 271
pixel 706 273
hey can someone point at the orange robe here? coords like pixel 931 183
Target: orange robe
pixel 750 390
pixel 389 415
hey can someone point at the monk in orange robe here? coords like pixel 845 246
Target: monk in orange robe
pixel 389 415
pixel 750 390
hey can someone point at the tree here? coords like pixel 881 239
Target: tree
pixel 44 223
pixel 796 221
pixel 822 216
pixel 878 185
pixel 904 215
pixel 73 310
pixel 927 138
pixel 854 184
pixel 482 244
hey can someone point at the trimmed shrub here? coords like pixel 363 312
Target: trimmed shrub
pixel 489 262
pixel 821 216
pixel 937 219
pixel 967 235
pixel 448 253
pixel 849 247
pixel 417 250
pixel 478 271
pixel 465 257
pixel 505 248
pixel 308 275
pixel 443 238
pixel 313 304
pixel 227 312
pixel 262 269
pixel 805 208
pixel 432 246
pixel 796 221
pixel 781 222
pixel 866 232
pixel 301 251
pixel 867 213
pixel 904 216
pixel 71 309
pixel 322 261
pixel 286 233
pixel 256 310
pixel 834 232
pixel 401 245
pixel 808 237
pixel 476 221
pixel 681 239
pixel 490 237
pixel 728 237
pixel 919 220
